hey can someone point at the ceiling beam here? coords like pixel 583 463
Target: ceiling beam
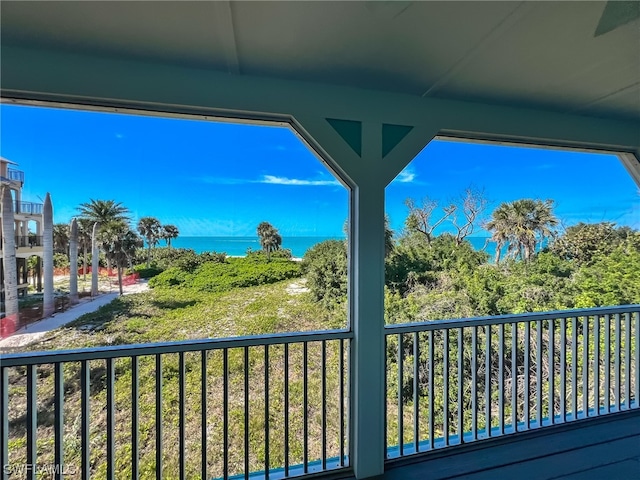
pixel 75 78
pixel 223 23
pixel 485 42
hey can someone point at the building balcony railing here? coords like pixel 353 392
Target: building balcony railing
pixel 29 208
pixel 278 406
pixel 26 241
pixel 15 175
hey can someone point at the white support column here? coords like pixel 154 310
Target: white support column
pixel 367 303
pixel 368 172
pixel 367 307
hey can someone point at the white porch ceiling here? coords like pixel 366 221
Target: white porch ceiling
pixel 574 57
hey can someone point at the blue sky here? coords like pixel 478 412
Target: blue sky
pixel 223 179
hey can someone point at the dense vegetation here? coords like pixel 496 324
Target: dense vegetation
pixel 429 276
pixel 587 266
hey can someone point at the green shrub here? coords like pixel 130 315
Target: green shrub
pixel 260 255
pixel 170 277
pixel 60 260
pixel 222 276
pixel 147 272
pixel 325 265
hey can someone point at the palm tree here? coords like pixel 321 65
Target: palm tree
pixel 522 225
pixel 119 243
pixel 149 228
pixel 9 257
pixel 84 237
pixel 60 238
pixel 168 233
pixel 103 212
pixel 499 226
pixel 270 239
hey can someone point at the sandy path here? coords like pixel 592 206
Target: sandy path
pixel 35 331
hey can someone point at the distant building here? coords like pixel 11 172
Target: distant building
pixel 28 229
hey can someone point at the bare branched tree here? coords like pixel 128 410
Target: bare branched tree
pixel 463 212
pixel 420 217
pixel 471 205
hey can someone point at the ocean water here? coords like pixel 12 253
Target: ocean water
pixel 237 246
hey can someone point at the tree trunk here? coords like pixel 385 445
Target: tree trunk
pixel 119 267
pixel 84 261
pixel 73 262
pixel 94 261
pixel 48 304
pixel 9 258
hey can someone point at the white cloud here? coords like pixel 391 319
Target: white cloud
pixel 268 179
pixel 406 176
pixel 272 179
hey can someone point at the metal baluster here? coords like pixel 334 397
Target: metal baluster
pixel 416 397
pixel 474 383
pixel 460 381
pixel 135 415
pixel 637 344
pixel 627 364
pixel 111 380
pixel 445 386
pixel 84 416
pixel 487 380
pixel 527 375
pixel 607 363
pixel 585 366
pixel 596 364
pixel 247 366
pixel 204 464
pixel 514 376
pixel 539 373
pixel 616 358
pixel 266 412
pixel 386 399
pixel 4 421
pixel 286 407
pixel 501 380
pixel 342 398
pixel 399 393
pixel 563 369
pixel 324 405
pixel 574 366
pixel 431 391
pixel 225 413
pixel 159 379
pixel 59 419
pixel 305 400
pixel 552 369
pixel 181 422
pixel 32 419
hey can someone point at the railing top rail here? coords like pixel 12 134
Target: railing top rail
pixel 433 325
pixel 119 351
